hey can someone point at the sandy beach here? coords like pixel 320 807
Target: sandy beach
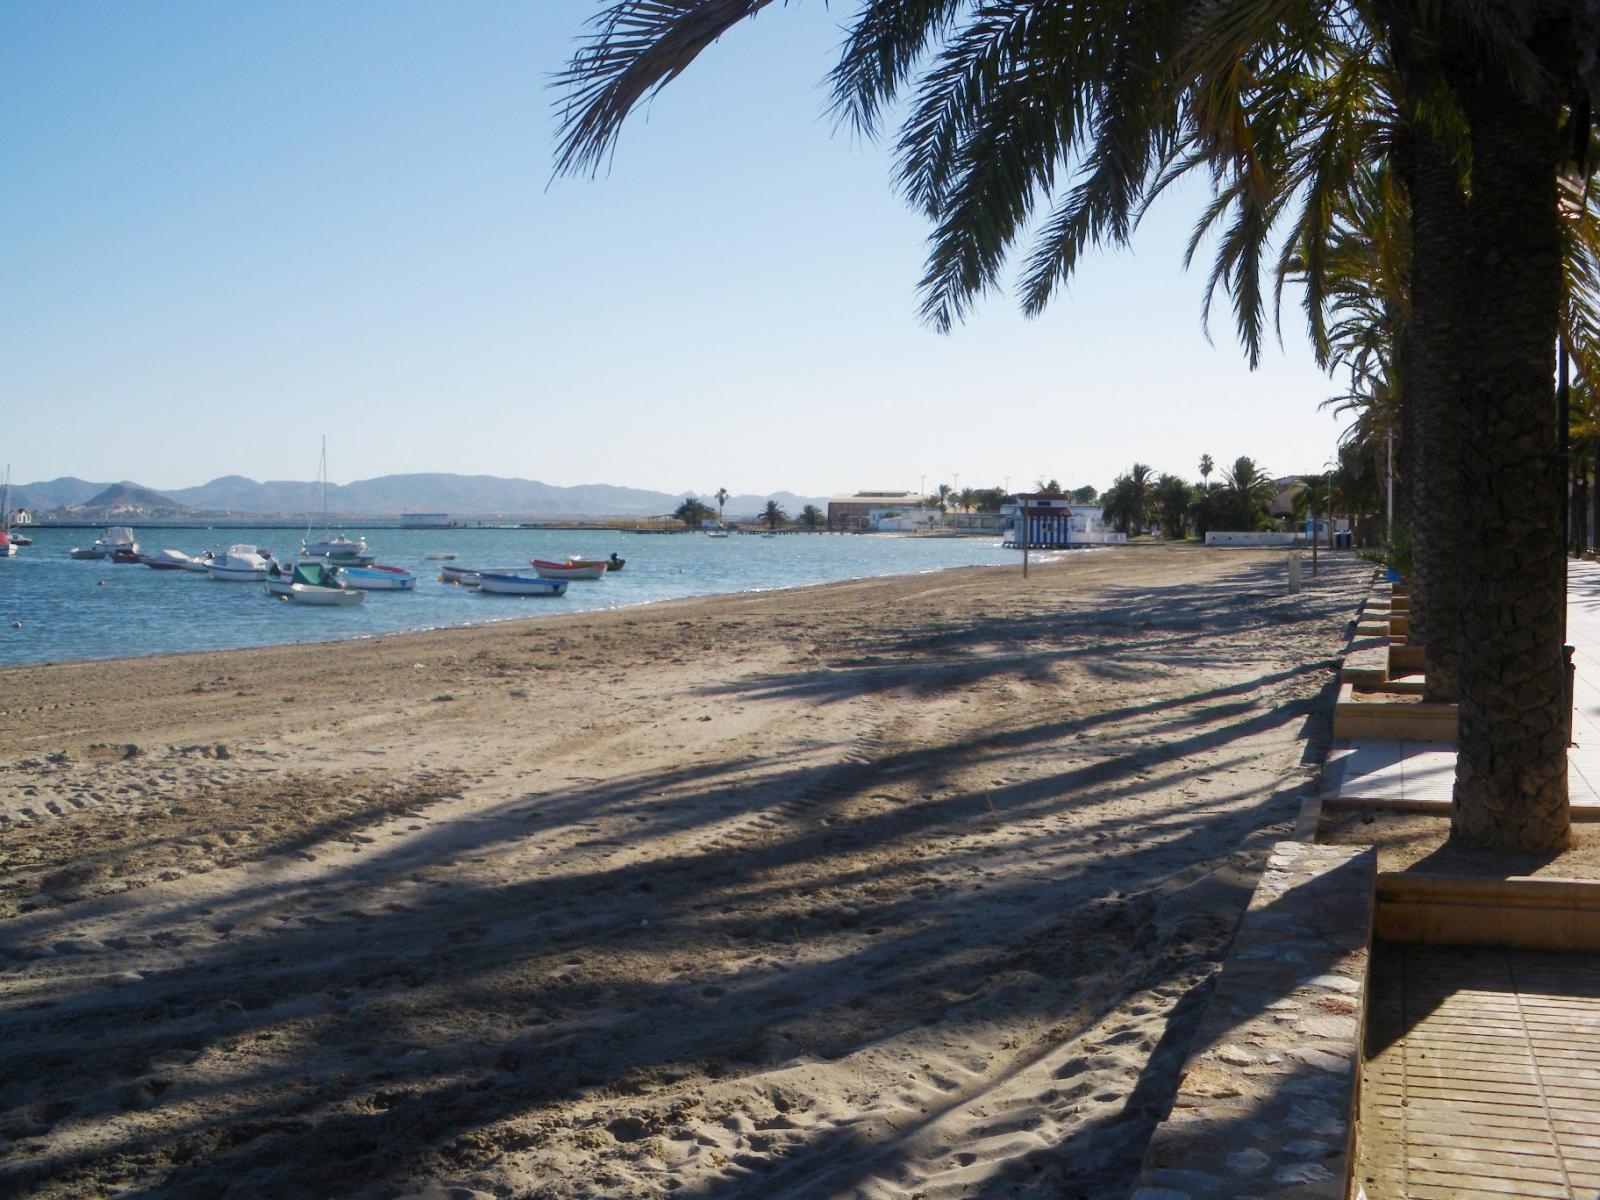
pixel 909 887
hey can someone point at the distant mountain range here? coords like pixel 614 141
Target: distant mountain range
pixel 461 496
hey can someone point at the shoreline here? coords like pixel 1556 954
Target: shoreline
pixel 134 612
pixel 894 884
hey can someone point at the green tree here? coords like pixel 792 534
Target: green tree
pixel 1311 498
pixel 1172 497
pixel 1206 467
pixel 1083 495
pixel 941 498
pixel 1246 495
pixel 966 498
pixel 692 512
pixel 1130 500
pixel 811 516
pixel 773 514
pixel 1046 487
pixel 989 500
pixel 722 499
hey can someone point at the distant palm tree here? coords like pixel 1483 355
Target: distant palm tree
pixel 692 511
pixel 1172 498
pixel 942 496
pixel 811 516
pixel 722 498
pixel 1047 487
pixel 1130 499
pixel 774 515
pixel 1206 467
pixel 966 498
pixel 1248 493
pixel 1310 500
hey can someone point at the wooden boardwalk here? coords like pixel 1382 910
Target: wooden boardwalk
pixel 1482 1077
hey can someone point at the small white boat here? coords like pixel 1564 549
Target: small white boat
pixel 570 569
pixel 313 583
pixel 340 551
pixel 466 576
pixel 717 533
pixel 378 578
pixel 325 597
pixel 116 540
pixel 509 584
pixel 166 560
pixel 242 563
pixel 199 563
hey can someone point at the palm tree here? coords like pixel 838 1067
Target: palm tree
pixel 1172 497
pixel 941 498
pixel 692 512
pixel 966 498
pixel 811 516
pixel 1247 494
pixel 1021 103
pixel 1084 495
pixel 1206 467
pixel 1046 487
pixel 1311 498
pixel 774 515
pixel 1131 498
pixel 722 499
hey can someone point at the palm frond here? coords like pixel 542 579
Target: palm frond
pixel 637 48
pixel 879 54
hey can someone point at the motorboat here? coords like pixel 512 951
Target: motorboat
pixel 199 563
pixel 378 578
pixel 498 583
pixel 242 563
pixel 340 551
pixel 166 560
pixel 117 539
pixel 588 569
pixel 717 533
pixel 616 562
pixel 127 555
pixel 442 556
pixel 466 576
pixel 313 583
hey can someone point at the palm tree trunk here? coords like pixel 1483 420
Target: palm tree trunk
pixel 1436 360
pixel 1511 769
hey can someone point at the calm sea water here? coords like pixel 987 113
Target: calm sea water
pixel 70 609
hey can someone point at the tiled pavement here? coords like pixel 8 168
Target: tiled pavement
pixel 1419 775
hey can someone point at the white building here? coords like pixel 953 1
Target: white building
pixel 903 520
pixel 1055 521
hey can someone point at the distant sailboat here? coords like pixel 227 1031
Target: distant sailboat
pixel 340 550
pixel 7 546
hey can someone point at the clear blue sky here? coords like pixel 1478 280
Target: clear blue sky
pixel 226 230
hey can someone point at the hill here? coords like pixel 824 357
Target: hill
pixel 384 496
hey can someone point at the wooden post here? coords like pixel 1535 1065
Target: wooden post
pixel 1023 501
